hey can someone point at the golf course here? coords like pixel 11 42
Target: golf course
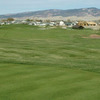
pixel 49 63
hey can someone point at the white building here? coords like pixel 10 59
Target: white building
pixel 61 23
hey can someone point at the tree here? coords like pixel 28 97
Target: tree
pixel 77 27
pixel 69 21
pixel 4 20
pixel 48 21
pixel 10 19
pixel 29 20
pixel 38 20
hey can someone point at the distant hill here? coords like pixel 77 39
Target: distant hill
pixel 95 12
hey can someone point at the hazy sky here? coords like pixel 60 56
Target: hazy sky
pixel 15 6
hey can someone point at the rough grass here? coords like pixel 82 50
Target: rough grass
pixel 52 64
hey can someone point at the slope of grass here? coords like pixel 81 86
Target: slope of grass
pixel 51 64
pixel 35 82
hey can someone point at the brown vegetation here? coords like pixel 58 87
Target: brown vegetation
pixel 93 36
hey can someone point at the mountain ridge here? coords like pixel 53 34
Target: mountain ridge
pixel 82 12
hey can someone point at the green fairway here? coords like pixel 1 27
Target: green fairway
pixel 50 64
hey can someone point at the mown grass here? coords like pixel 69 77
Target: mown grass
pixel 51 64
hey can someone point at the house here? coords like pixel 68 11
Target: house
pixel 52 23
pixel 8 23
pixel 31 24
pixel 92 24
pixel 24 22
pixel 85 23
pixel 3 23
pixel 42 24
pixel 13 22
pixel 61 23
pixel 70 24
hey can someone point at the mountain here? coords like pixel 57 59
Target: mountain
pixel 83 12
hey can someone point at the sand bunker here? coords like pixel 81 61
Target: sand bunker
pixel 93 36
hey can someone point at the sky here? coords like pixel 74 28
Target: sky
pixel 17 6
